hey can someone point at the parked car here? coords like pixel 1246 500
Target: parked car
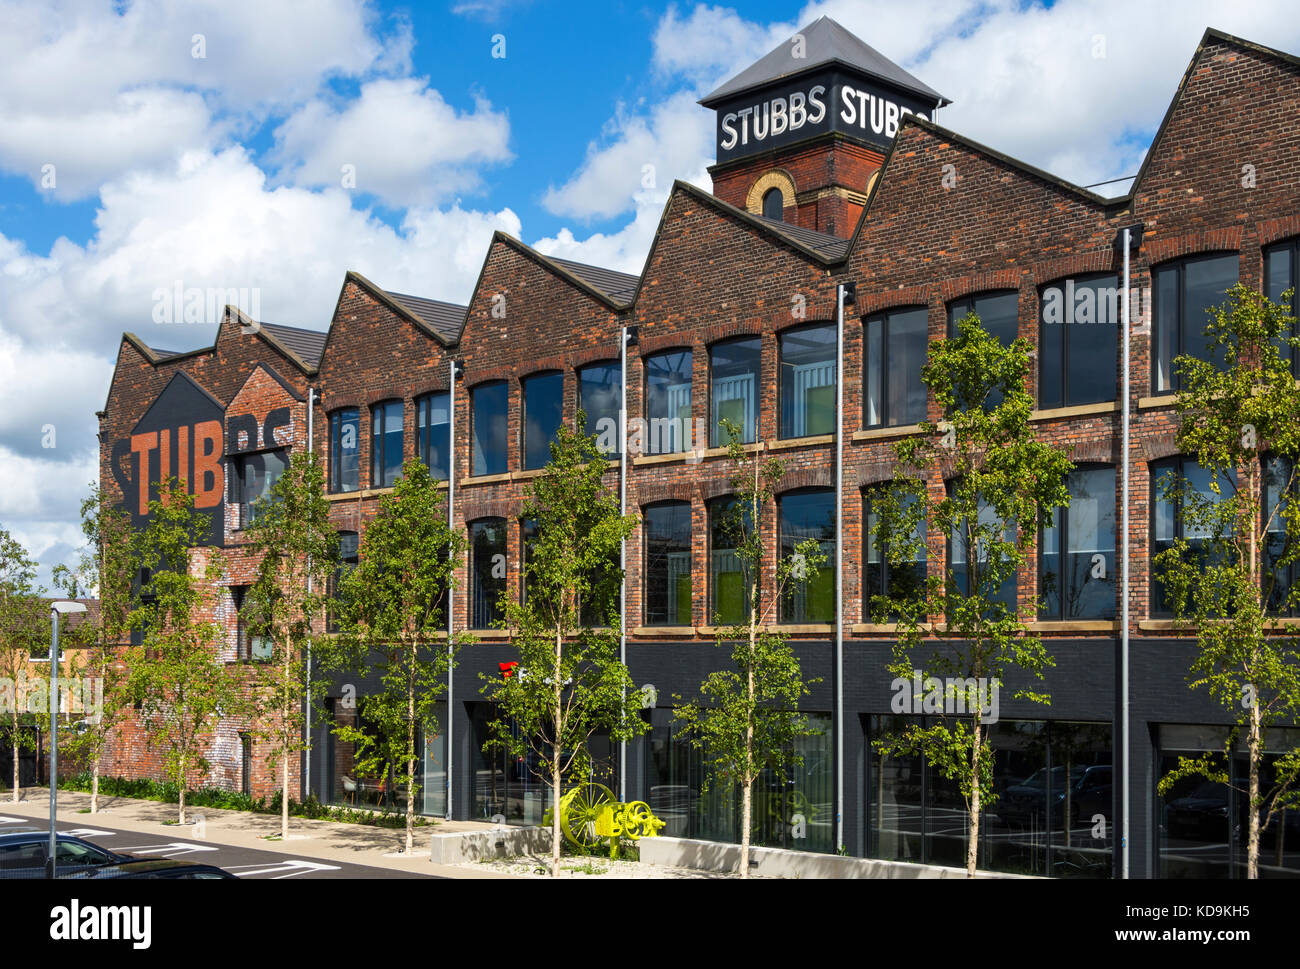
pixel 160 868
pixel 1020 803
pixel 25 852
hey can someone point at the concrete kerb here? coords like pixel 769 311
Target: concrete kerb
pixel 355 844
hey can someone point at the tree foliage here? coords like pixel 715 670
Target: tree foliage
pixel 1004 485
pixel 22 628
pixel 1239 413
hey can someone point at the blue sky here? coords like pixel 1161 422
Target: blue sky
pixel 225 170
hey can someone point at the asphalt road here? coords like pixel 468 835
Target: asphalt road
pixel 242 862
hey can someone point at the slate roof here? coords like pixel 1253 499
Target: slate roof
pixel 445 319
pixel 308 344
pixel 822 243
pixel 620 287
pixel 825 42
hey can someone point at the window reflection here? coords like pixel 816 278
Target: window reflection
pixel 808 381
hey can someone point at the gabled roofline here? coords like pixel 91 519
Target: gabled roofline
pixel 174 377
pixel 1023 167
pixel 1211 34
pixel 246 321
pixel 545 262
pixel 352 276
pixel 274 375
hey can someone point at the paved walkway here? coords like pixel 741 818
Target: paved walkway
pixel 357 844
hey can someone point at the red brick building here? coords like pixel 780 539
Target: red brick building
pixel 735 315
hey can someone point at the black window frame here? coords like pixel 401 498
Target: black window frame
pixel 682 437
pixel 786 431
pixel 617 367
pixel 1292 247
pixel 491 605
pixel 524 460
pixel 380 410
pixel 349 556
pixel 1062 525
pixel 883 318
pixel 715 430
pixel 780 209
pixel 245 652
pixel 677 505
pixel 1179 266
pixel 246 507
pixel 1156 470
pixel 1013 604
pixel 474 407
pixel 1063 364
pixel 1292 571
pixel 715 510
pixel 886 566
pixel 337 419
pixel 786 606
pixel 425 446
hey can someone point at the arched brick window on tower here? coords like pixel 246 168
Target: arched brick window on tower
pixel 770 195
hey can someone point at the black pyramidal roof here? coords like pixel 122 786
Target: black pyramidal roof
pixel 825 43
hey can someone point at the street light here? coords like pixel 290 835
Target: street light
pixel 62 607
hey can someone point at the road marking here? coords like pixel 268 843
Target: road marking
pixel 170 849
pixel 290 867
pixel 88 833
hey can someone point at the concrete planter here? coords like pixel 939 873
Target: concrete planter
pixel 502 841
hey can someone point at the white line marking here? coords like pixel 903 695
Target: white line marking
pixel 170 849
pixel 290 867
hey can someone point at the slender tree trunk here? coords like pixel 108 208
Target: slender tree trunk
pixel 181 786
pixel 16 792
pixel 555 758
pixel 94 785
pixel 972 846
pixel 1252 842
pixel 286 745
pixel 747 795
pixel 410 751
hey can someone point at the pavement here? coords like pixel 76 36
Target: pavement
pixel 236 840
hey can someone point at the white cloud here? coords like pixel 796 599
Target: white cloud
pixel 98 93
pixel 407 146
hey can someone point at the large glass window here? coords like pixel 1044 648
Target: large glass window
pixel 960 559
pixel 433 433
pixel 253 477
pixel 345 450
pixel 808 381
pixel 1203 824
pixel 1076 554
pixel 668 401
pixel 1184 292
pixel 348 558
pixel 881 577
pixel 1281 270
pixel 1078 341
pixel 731 583
pixel 543 413
pixel 385 443
pixel 999 316
pixel 896 347
pixel 600 398
pixel 1186 477
pixel 488 404
pixel 733 388
pixel 668 564
pixel 676 770
pixel 1281 580
pixel 487 539
pixel 805 515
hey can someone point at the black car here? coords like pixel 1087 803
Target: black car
pixel 24 853
pixel 159 868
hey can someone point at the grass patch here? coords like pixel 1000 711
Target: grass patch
pixel 214 797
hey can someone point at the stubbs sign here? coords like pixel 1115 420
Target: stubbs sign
pixel 831 100
pixel 180 436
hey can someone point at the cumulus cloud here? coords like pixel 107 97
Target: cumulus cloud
pixel 404 143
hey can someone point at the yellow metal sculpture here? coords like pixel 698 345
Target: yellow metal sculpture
pixel 590 814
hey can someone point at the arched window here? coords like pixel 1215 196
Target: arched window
pixel 774 205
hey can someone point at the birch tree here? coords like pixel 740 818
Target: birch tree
pixel 569 683
pixel 21 617
pixel 1226 576
pixel 296 546
pixel 746 719
pixel 1004 484
pixel 392 621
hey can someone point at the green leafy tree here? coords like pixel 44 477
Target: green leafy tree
pixel 297 549
pixel 1005 485
pixel 570 682
pixel 22 617
pixel 1240 417
pixel 176 675
pixel 746 720
pixel 392 620
pixel 104 570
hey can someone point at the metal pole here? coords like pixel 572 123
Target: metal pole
pixel 839 568
pixel 451 592
pixel 306 727
pixel 1124 578
pixel 51 861
pixel 622 547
